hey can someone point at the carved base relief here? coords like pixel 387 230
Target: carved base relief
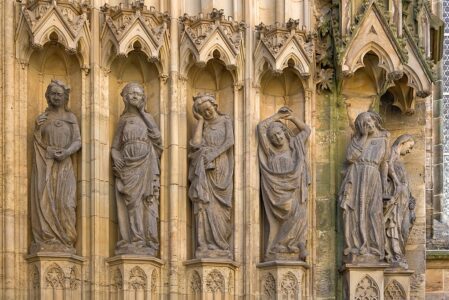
pixel 283 280
pixel 210 279
pixel 397 284
pixel 55 276
pixel 134 277
pixel 364 281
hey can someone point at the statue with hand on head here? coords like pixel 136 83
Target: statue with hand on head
pixel 136 152
pixel 363 190
pixel 284 181
pixel 211 178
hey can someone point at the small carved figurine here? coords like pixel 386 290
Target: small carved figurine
pixel 53 183
pixel 136 152
pixel 363 190
pixel 400 210
pixel 211 178
pixel 284 180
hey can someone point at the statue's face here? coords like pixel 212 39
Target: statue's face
pixel 369 124
pixel 407 147
pixel 277 136
pixel 135 96
pixel 207 110
pixel 56 96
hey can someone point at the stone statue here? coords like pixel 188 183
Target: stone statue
pixel 284 180
pixel 211 178
pixel 399 212
pixel 53 183
pixel 136 152
pixel 363 190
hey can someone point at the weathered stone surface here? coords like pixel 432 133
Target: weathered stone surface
pixel 211 179
pixel 53 182
pixel 284 185
pixel 136 151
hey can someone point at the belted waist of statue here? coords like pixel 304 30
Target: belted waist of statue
pixel 369 163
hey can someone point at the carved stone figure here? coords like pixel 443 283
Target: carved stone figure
pixel 284 180
pixel 53 183
pixel 211 178
pixel 399 211
pixel 363 189
pixel 136 151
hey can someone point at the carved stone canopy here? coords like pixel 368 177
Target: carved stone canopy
pixel 63 21
pixel 204 35
pixel 282 46
pixel 396 55
pixel 131 27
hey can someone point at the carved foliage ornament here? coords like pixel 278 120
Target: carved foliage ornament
pixel 367 289
pixel 215 282
pixel 137 279
pixel 200 29
pixel 133 22
pixel 65 18
pixel 285 45
pixel 54 277
pixel 195 283
pixel 289 284
pixel 394 291
pixel 117 279
pixel 269 285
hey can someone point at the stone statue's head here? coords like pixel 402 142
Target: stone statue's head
pixel 368 123
pixel 403 144
pixel 206 106
pixel 57 94
pixel 278 134
pixel 133 95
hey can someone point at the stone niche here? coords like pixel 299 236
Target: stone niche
pixel 215 79
pixel 133 68
pixel 53 62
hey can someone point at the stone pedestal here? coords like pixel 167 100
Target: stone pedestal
pixel 55 276
pixel 397 284
pixel 364 281
pixel 134 277
pixel 283 280
pixel 209 278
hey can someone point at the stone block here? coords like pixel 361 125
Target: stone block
pixel 283 280
pixel 210 279
pixel 55 276
pixel 364 281
pixel 397 284
pixel 134 277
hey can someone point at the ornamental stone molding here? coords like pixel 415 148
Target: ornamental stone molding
pixel 133 26
pixel 211 36
pixel 397 55
pixel 48 21
pixel 282 46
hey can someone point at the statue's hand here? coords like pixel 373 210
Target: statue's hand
pixel 198 116
pixel 61 154
pixel 41 119
pixel 119 163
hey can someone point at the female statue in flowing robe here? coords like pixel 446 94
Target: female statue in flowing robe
pixel 53 183
pixel 211 178
pixel 363 190
pixel 136 152
pixel 400 210
pixel 284 180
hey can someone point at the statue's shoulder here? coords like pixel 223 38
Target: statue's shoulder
pixel 71 117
